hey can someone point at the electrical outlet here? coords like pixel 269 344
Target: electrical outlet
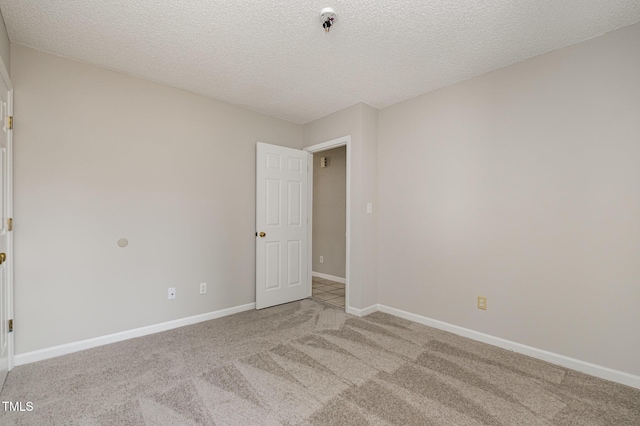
pixel 482 303
pixel 321 259
pixel 172 293
pixel 203 288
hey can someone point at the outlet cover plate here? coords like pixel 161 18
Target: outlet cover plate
pixel 203 288
pixel 171 293
pixel 482 303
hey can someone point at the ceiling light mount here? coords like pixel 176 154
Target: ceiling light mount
pixel 327 17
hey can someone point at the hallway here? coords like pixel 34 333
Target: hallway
pixel 328 291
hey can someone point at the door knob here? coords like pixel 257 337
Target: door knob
pixel 3 257
pixel 262 235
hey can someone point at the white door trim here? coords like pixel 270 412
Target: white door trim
pixel 334 143
pixel 9 262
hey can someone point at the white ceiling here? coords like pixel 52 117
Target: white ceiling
pixel 274 57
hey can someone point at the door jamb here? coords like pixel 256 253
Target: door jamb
pixel 4 74
pixel 334 143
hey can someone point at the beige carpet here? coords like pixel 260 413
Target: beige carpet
pixel 309 363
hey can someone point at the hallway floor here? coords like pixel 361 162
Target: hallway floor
pixel 328 291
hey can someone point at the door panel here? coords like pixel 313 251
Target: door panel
pixel 294 260
pixel 294 201
pixel 273 202
pixel 281 225
pixel 272 265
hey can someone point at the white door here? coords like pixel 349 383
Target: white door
pixel 5 235
pixel 281 225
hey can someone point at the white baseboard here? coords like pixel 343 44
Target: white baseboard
pixel 564 361
pixel 68 348
pixel 328 277
pixel 362 312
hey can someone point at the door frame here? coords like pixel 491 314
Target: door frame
pixel 9 172
pixel 313 149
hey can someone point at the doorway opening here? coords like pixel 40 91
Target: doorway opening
pixel 329 220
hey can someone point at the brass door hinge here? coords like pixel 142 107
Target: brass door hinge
pixel 10 325
pixel 10 224
pixel 10 122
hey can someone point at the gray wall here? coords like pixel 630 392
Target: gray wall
pixel 5 46
pixel 522 185
pixel 99 156
pixel 329 212
pixel 360 122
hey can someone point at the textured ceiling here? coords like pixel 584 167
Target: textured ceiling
pixel 274 57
